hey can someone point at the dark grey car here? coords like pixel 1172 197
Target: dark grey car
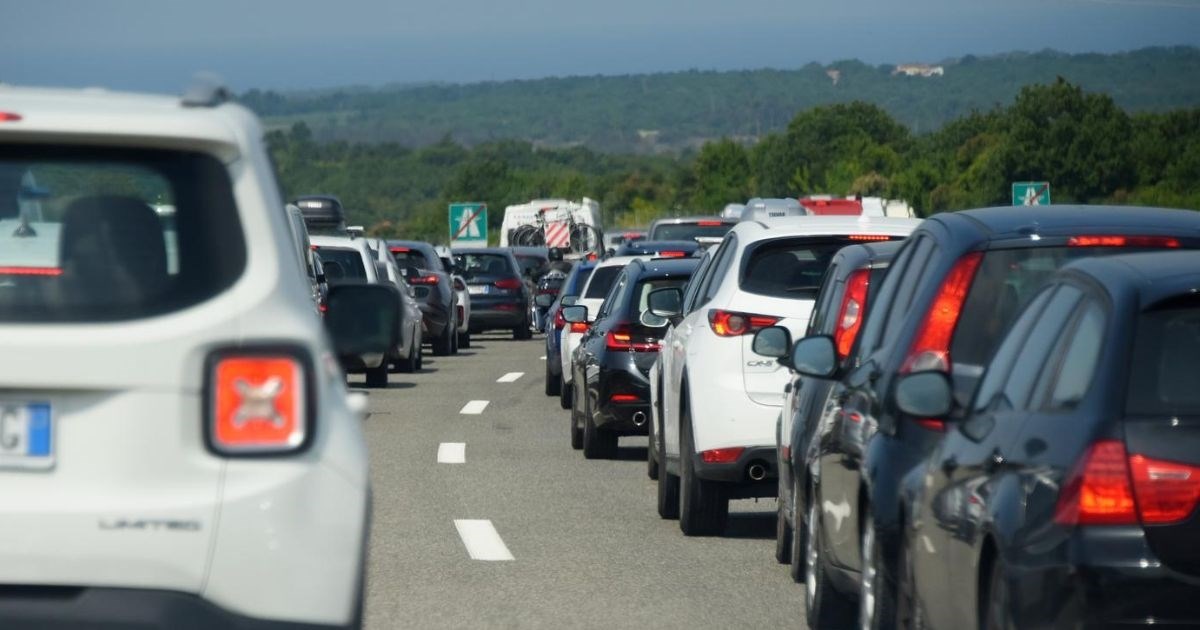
pixel 432 286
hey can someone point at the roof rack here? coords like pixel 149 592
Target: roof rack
pixel 207 90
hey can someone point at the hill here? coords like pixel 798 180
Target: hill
pixel 673 111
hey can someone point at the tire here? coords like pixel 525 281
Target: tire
pixel 443 344
pixel 668 484
pixel 597 443
pixel 825 606
pixel 408 364
pixel 703 504
pixel 783 531
pixel 420 357
pixel 877 593
pixel 907 615
pixel 996 613
pixel 799 533
pixel 464 340
pixel 565 393
pixel 576 430
pixel 378 377
pixel 651 452
pixel 553 383
pixel 522 332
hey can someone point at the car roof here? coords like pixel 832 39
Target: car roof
pixel 678 220
pixel 1153 276
pixel 503 251
pixel 824 226
pixel 111 118
pixel 346 242
pixel 856 256
pixel 618 261
pixel 422 245
pixel 1016 221
pixel 665 266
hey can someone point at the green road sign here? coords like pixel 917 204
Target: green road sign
pixel 468 225
pixel 1031 193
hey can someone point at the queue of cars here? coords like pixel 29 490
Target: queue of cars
pixel 990 420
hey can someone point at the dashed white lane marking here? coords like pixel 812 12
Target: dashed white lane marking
pixel 542 358
pixel 482 540
pixel 452 453
pixel 474 408
pixel 510 377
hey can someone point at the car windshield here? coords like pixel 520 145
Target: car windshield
pixel 342 264
pixel 602 281
pixel 483 265
pixel 93 235
pixel 1166 360
pixel 791 267
pixel 689 231
pixel 409 257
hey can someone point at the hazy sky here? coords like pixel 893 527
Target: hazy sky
pixel 289 44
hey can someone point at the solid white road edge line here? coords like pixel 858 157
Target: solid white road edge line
pixel 474 408
pixel 452 453
pixel 510 377
pixel 482 540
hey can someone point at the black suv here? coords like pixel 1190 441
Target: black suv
pixel 952 292
pixel 1066 496
pixel 500 297
pixel 433 288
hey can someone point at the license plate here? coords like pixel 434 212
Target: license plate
pixel 26 435
pixel 477 289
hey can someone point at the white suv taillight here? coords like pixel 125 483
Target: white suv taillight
pixel 258 402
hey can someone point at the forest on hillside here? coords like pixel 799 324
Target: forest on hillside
pixel 671 112
pixel 1089 148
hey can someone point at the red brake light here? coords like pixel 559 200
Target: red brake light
pixel 931 348
pixel 508 284
pixel 869 237
pixel 1098 492
pixel 722 455
pixel 257 404
pixel 31 271
pixel 579 327
pixel 734 324
pixel 624 398
pixel 1123 241
pixel 9 117
pixel 400 250
pixel 621 338
pixel 559 322
pixel 672 254
pixel 1166 492
pixel 423 280
pixel 708 223
pixel 850 318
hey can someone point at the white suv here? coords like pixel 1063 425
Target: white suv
pixel 177 444
pixel 717 399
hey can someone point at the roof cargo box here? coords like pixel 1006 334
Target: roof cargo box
pixel 322 213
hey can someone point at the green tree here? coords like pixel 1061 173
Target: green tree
pixel 722 175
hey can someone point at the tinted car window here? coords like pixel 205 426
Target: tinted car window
pixel 1038 344
pixel 724 257
pixel 879 307
pixel 791 267
pixel 342 264
pixel 614 295
pixel 693 285
pixel 1166 360
pixel 1006 354
pixel 906 288
pixel 820 314
pixel 1079 362
pixel 689 231
pixel 530 265
pixel 101 235
pixel 602 281
pixel 412 258
pixel 483 265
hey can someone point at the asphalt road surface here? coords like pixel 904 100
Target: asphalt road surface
pixel 525 532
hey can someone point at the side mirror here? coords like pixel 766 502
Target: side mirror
pixel 363 320
pixel 815 356
pixel 543 300
pixel 926 394
pixel 570 300
pixel 576 314
pixel 774 342
pixel 650 320
pixel 666 302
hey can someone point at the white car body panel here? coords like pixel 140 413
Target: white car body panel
pixel 272 538
pixel 570 340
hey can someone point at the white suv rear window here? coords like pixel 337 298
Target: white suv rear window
pixel 100 235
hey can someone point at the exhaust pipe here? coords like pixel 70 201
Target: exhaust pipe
pixel 639 418
pixel 757 472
